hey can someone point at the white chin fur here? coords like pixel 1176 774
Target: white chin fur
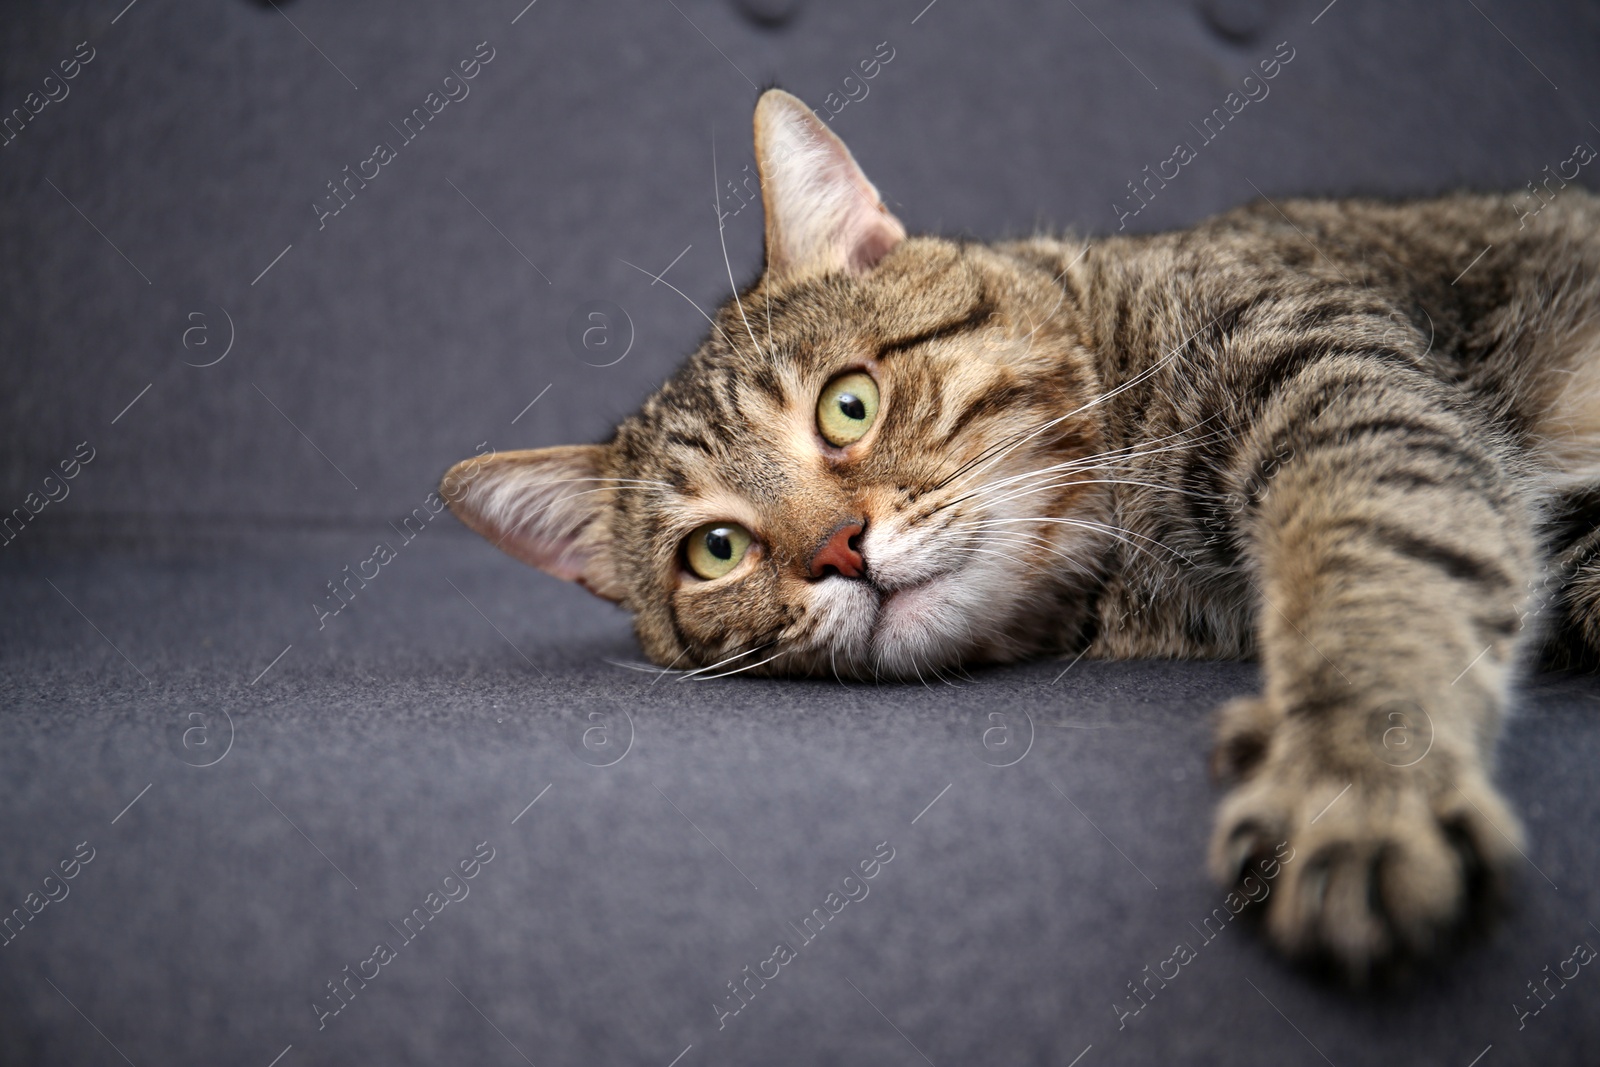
pixel 910 632
pixel 923 628
pixel 945 619
pixel 953 595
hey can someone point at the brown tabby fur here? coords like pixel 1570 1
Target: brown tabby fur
pixel 1291 432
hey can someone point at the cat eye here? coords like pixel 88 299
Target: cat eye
pixel 716 548
pixel 847 407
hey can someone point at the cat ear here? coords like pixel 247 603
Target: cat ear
pixel 822 214
pixel 541 506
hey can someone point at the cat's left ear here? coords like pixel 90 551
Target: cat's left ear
pixel 823 215
pixel 543 506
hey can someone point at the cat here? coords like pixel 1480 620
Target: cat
pixel 1358 441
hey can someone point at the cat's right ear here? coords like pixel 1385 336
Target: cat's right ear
pixel 543 506
pixel 823 215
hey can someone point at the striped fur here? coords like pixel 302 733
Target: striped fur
pixel 1320 433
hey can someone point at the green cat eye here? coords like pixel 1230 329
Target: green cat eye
pixel 847 407
pixel 716 548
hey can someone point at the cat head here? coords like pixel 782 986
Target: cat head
pixel 872 466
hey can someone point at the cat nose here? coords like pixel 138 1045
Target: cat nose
pixel 841 551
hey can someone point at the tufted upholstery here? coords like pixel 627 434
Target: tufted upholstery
pixel 159 614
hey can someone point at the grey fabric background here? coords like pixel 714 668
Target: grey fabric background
pixel 161 616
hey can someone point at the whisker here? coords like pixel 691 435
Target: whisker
pixel 1126 452
pixel 1062 295
pixel 668 668
pixel 722 237
pixel 1121 533
pixel 983 550
pixel 986 532
pixel 617 489
pixel 724 662
pixel 1027 540
pixel 1130 452
pixel 1082 463
pixel 630 481
pixel 643 668
pixel 748 666
pixel 1102 398
pixel 681 293
pixel 1029 490
pixel 918 673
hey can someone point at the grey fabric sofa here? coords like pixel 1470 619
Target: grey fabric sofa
pixel 218 798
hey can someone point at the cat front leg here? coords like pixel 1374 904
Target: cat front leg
pixel 1392 559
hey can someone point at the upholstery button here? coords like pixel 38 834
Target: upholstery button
pixel 1240 21
pixel 769 14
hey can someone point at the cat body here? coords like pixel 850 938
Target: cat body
pixel 1262 337
pixel 1359 441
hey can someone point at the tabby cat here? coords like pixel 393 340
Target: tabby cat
pixel 1359 441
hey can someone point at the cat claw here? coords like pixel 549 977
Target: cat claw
pixel 1390 864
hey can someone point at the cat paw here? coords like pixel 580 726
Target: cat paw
pixel 1384 863
pixel 1244 729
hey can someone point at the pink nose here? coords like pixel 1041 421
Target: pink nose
pixel 841 552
